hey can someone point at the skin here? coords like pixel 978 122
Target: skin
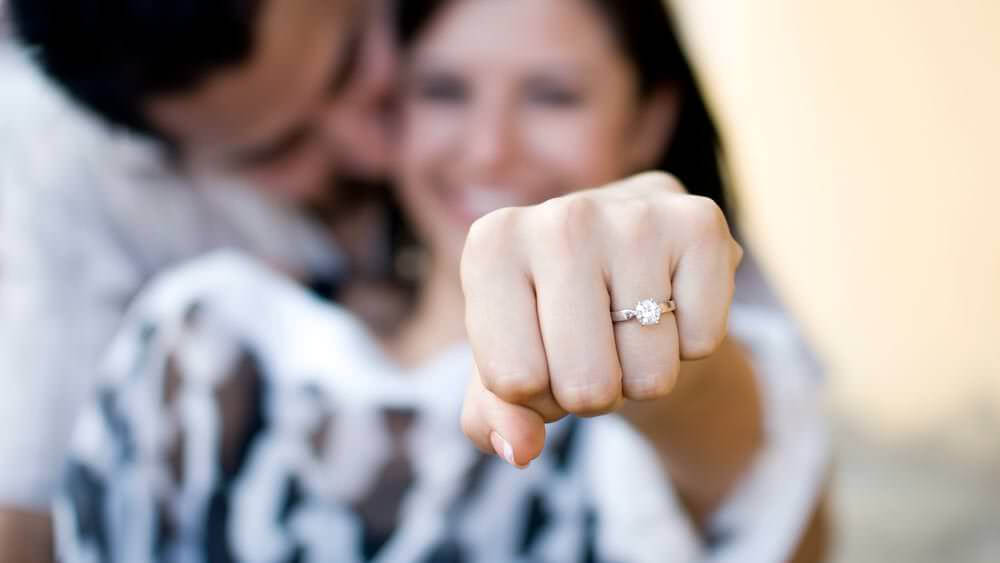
pixel 25 536
pixel 290 127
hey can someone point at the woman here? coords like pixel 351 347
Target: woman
pixel 517 102
pixel 266 448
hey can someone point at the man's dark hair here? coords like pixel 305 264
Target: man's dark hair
pixel 114 55
pixel 646 35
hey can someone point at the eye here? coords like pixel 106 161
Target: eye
pixel 554 94
pixel 439 88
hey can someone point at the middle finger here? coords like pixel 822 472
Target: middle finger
pixel 573 316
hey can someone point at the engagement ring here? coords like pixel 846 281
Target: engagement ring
pixel 647 312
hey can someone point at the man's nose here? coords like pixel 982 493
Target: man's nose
pixel 358 117
pixel 378 60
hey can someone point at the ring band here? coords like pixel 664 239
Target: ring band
pixel 647 312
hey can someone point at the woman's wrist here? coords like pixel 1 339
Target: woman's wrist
pixel 708 431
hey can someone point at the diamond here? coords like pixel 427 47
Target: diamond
pixel 648 312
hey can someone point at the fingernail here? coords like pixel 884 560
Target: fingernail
pixel 504 449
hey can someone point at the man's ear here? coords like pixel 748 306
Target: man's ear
pixel 654 127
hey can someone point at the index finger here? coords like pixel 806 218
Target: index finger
pixel 501 317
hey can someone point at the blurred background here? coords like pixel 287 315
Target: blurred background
pixel 863 138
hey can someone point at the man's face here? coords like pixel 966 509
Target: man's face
pixel 311 100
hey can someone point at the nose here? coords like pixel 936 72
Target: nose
pixel 490 139
pixel 378 62
pixel 358 117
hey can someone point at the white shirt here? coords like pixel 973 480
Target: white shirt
pixel 325 381
pixel 86 217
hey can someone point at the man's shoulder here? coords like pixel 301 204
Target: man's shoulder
pixel 65 175
pixel 31 105
pixel 56 156
pixel 55 145
pixel 48 145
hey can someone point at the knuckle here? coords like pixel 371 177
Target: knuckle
pixel 570 218
pixel 706 218
pixel 639 223
pixel 559 229
pixel 660 180
pixel 547 408
pixel 589 399
pixel 492 230
pixel 647 392
pixel 700 346
pixel 514 388
pixel 653 384
pixel 578 209
pixel 488 241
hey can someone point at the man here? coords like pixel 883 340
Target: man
pixel 88 214
pixel 285 93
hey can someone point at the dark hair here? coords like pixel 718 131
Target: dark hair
pixel 646 35
pixel 114 55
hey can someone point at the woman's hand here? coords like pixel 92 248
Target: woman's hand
pixel 540 283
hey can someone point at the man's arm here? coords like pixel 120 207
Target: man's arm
pixel 59 301
pixel 25 536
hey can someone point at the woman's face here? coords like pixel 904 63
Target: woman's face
pixel 513 102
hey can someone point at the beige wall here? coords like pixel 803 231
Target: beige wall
pixel 865 138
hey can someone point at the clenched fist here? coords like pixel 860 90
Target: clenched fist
pixel 541 282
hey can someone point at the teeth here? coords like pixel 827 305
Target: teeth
pixel 480 200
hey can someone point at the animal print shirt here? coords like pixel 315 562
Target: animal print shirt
pixel 240 418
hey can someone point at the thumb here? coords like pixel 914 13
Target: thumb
pixel 513 432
